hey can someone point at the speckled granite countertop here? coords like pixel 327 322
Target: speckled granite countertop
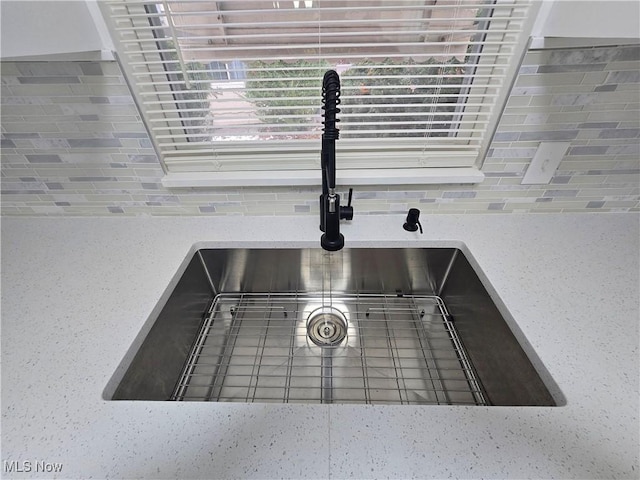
pixel 76 291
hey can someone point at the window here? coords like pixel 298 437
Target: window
pixel 235 86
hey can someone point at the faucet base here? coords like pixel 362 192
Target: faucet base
pixel 332 244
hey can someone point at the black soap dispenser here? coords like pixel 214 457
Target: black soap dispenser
pixel 412 223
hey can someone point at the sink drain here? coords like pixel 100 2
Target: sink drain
pixel 326 326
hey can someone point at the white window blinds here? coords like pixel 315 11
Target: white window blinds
pixel 236 85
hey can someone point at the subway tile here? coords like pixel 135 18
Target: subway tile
pixel 515 152
pixel 588 150
pixel 599 125
pixel 46 69
pixel 634 92
pixel 496 206
pixel 526 91
pixel 518 101
pixel 573 99
pixel 110 68
pixel 14 100
pixel 98 89
pixel 580 56
pixel 560 193
pixel 631 149
pixel 121 99
pixel 627 54
pixel 73 198
pixel 130 135
pixel 607 192
pixel 580 67
pixel 24 110
pixel 129 144
pixel 625 65
pixel 80 158
pixel 464 194
pixel 568 118
pixel 508 119
pixel 543 101
pixel 91 68
pixel 536 119
pixel 43 158
pixel 528 70
pixel 10 68
pixel 616 115
pixel 93 179
pixel 594 78
pixel 630 76
pixel 606 88
pixel 14 197
pixel 15 135
pixel 561 179
pixel 108 198
pixel 505 136
pixel 619 97
pixel 134 158
pixel 164 199
pixel 28 127
pixel 94 143
pixel 22 191
pixel 580 180
pixel 621 203
pixel 550 135
pixel 620 133
pixel 99 109
pixel 550 80
pixel 8 80
pixel 49 143
pixel 48 80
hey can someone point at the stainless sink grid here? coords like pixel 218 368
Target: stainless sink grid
pixel 398 349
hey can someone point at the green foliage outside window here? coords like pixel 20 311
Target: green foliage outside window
pixel 367 110
pixel 381 78
pixel 276 87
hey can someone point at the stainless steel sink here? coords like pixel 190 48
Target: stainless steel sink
pixel 408 326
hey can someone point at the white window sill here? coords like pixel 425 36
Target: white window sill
pixel 346 178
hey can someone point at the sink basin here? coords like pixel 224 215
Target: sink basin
pixel 399 326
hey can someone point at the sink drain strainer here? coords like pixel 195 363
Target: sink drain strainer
pixel 326 326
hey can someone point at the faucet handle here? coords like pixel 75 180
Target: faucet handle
pixel 346 213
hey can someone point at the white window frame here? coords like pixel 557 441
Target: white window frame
pixel 412 164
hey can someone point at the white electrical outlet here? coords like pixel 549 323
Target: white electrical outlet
pixel 545 162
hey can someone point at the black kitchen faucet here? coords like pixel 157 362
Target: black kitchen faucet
pixel 330 210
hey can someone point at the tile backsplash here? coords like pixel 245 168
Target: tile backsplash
pixel 73 143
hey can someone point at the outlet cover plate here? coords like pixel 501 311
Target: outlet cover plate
pixel 545 162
